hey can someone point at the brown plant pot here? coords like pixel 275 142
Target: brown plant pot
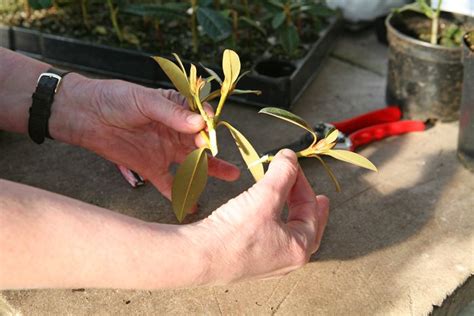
pixel 425 80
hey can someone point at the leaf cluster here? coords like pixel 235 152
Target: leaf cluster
pixel 318 148
pixel 191 176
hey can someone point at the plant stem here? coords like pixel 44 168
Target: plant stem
pixel 235 27
pixel 113 18
pixel 247 8
pixel 85 14
pixel 194 29
pixel 435 24
pixel 27 8
pixel 220 105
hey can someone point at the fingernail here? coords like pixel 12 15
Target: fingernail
pixel 194 119
pixel 286 153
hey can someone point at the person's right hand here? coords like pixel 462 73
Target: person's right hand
pixel 246 238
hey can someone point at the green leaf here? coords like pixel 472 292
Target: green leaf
pixel 212 73
pixel 427 10
pixel 168 11
pixel 278 20
pixel 214 24
pixel 329 172
pixel 351 157
pixel 205 91
pixel 249 154
pixel 175 74
pixel 287 116
pixel 212 96
pixel 289 39
pixel 189 183
pixel 40 4
pixel 253 24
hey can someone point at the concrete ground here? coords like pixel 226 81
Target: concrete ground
pixel 398 241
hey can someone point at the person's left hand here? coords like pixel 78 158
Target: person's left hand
pixel 143 129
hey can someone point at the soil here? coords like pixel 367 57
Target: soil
pixel 141 34
pixel 419 26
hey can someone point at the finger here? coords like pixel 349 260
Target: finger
pixel 164 184
pixel 323 215
pixel 223 170
pixel 157 107
pixel 273 189
pixel 176 97
pixel 199 141
pixel 302 201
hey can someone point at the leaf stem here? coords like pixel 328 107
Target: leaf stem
pixel 220 105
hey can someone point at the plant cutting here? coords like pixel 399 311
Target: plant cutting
pixel 191 176
pixel 425 69
pixel 318 147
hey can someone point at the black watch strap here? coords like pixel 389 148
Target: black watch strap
pixel 43 97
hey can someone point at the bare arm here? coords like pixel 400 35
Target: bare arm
pixel 47 240
pixel 50 241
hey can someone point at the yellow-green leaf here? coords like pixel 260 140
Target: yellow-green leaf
pixel 205 91
pixel 237 91
pixel 189 183
pixel 287 116
pixel 231 67
pixel 247 151
pixel 180 63
pixel 329 172
pixel 174 73
pixel 332 136
pixel 193 78
pixel 351 157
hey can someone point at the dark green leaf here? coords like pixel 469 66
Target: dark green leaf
pixel 214 24
pixel 40 4
pixel 289 39
pixel 169 11
pixel 278 20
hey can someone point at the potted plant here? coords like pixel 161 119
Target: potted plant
pixel 466 120
pixel 425 70
pixel 115 38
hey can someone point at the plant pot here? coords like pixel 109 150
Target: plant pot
pixel 425 80
pixel 466 119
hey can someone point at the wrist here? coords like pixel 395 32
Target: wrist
pixel 72 110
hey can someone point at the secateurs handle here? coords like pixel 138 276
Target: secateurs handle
pixel 385 115
pixel 374 133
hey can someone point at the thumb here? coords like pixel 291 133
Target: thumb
pixel 155 105
pixel 273 189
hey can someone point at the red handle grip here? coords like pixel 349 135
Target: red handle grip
pixel 381 131
pixel 386 115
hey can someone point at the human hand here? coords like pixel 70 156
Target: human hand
pixel 246 238
pixel 143 129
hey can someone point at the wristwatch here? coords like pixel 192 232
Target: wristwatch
pixel 43 97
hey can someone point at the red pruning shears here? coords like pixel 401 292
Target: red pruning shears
pixel 362 130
